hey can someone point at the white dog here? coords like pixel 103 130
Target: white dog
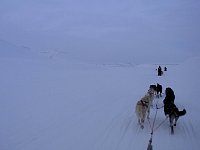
pixel 143 107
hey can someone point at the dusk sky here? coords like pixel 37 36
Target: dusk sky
pixel 126 30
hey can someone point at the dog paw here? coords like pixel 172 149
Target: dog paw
pixel 142 126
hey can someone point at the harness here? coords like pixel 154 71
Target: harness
pixel 144 103
pixel 171 109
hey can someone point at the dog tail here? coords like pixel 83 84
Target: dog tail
pixel 182 112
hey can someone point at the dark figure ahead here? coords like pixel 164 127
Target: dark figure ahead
pixel 159 71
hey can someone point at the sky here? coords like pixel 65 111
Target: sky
pixel 119 30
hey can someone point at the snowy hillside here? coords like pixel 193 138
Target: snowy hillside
pixel 49 104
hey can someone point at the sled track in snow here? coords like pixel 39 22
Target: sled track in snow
pixel 186 127
pixel 123 124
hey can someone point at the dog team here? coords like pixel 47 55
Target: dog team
pixel 142 109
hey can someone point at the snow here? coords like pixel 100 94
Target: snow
pixel 57 104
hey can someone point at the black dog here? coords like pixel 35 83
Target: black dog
pixel 153 88
pixel 174 113
pixel 170 96
pixel 170 108
pixel 159 90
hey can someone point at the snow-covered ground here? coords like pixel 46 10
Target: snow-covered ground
pixel 52 104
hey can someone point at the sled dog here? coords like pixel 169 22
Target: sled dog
pixel 173 113
pixel 174 116
pixel 153 88
pixel 142 108
pixel 159 90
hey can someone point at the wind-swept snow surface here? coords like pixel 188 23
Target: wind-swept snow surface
pixel 57 105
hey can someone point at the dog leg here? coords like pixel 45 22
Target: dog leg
pixel 176 119
pixel 172 130
pixel 148 113
pixel 142 126
pixel 139 121
pixel 171 120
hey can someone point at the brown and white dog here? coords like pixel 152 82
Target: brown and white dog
pixel 142 108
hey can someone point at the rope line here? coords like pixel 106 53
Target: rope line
pixel 161 123
pixel 150 147
pixel 154 119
